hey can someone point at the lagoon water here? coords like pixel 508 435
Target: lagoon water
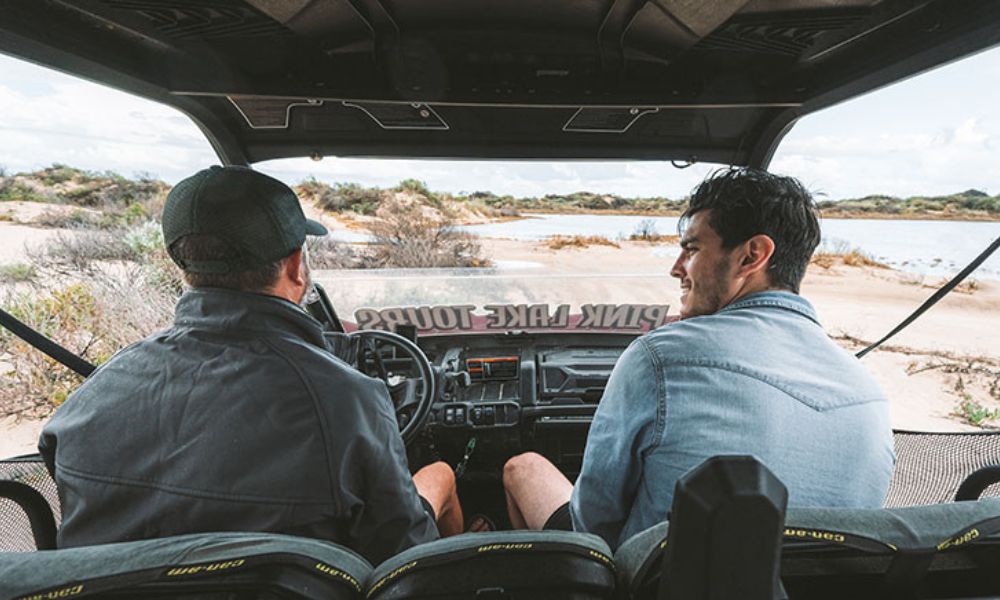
pixel 925 247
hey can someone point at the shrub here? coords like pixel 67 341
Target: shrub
pixel 558 242
pixel 16 191
pixel 117 192
pixel 414 185
pixel 17 273
pixel 328 253
pixel 341 197
pixel 645 231
pixel 859 258
pixel 842 253
pixel 59 173
pixel 94 318
pixel 408 237
pixel 75 219
pixel 78 250
pixel 144 239
pixel 974 413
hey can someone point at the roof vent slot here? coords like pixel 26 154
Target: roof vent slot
pixel 396 115
pixel 605 120
pixel 269 113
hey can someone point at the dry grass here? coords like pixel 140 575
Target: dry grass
pixel 852 258
pixel 94 317
pixel 659 238
pixel 111 288
pixel 968 287
pixel 857 258
pixel 558 242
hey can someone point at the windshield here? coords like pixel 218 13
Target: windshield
pixel 614 273
pixel 500 299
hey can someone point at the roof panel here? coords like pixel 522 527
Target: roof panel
pixel 515 78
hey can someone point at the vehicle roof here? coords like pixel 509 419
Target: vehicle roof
pixel 718 81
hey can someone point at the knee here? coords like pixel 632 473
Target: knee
pixel 444 474
pixel 517 468
pixel 438 476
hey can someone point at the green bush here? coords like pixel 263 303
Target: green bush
pixel 17 273
pixel 341 197
pixel 414 185
pixel 15 191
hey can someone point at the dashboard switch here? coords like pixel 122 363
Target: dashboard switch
pixel 489 415
pixel 460 415
pixel 477 416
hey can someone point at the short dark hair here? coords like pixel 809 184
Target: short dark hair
pixel 746 202
pixel 210 248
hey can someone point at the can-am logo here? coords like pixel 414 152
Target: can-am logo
pixel 634 317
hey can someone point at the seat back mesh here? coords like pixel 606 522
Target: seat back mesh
pixel 15 529
pixel 929 469
pixel 931 466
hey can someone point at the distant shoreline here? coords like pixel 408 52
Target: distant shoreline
pixel 823 215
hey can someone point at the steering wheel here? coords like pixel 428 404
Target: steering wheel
pixel 404 368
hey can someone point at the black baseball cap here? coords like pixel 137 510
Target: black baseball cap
pixel 258 216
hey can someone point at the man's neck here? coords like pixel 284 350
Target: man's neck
pixel 755 287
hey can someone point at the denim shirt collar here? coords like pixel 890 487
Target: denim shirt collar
pixel 778 299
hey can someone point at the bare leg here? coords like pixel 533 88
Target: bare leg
pixel 535 488
pixel 436 483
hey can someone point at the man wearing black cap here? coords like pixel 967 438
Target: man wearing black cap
pixel 237 418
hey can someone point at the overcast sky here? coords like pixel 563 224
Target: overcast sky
pixel 935 134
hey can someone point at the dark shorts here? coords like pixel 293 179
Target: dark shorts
pixel 560 519
pixel 427 507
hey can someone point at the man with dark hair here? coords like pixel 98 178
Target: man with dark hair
pixel 237 418
pixel 747 370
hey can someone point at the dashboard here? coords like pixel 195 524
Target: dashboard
pixel 520 391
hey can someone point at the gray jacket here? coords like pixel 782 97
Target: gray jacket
pixel 234 419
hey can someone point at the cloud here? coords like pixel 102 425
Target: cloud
pixel 928 135
pixel 67 120
pixel 944 160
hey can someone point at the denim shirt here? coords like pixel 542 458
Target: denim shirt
pixel 758 377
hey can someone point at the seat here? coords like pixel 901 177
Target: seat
pixel 930 467
pixel 200 565
pixel 936 551
pixel 29 505
pixel 509 565
pixel 725 542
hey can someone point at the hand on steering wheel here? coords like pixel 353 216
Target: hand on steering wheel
pixel 404 368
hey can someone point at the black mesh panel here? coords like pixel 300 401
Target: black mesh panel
pixel 15 530
pixel 931 466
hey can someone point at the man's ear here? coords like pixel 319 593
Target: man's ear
pixel 294 269
pixel 757 251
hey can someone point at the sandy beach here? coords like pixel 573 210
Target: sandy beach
pixel 924 371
